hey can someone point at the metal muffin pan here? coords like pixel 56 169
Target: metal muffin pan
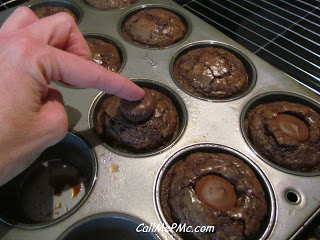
pixel 131 189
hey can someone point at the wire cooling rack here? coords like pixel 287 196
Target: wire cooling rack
pixel 285 33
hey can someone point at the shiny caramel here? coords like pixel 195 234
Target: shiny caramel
pixel 216 192
pixel 293 127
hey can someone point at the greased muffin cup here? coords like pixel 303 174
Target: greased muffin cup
pixel 125 184
pixel 53 187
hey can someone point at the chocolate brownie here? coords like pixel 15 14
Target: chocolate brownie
pixel 42 12
pixel 105 54
pixel 154 28
pixel 214 189
pixel 211 73
pixel 109 4
pixel 287 134
pixel 139 126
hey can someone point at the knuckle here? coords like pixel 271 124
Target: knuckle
pixel 65 19
pixel 22 10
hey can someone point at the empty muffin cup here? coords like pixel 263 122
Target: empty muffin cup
pixel 154 26
pixel 208 191
pixel 213 71
pixel 283 129
pixel 52 188
pixel 109 226
pixel 48 8
pixel 146 127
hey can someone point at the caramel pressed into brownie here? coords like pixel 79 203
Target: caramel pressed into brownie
pixel 210 72
pixel 139 126
pixel 214 189
pixel 287 134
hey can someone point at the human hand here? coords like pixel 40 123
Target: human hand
pixel 33 53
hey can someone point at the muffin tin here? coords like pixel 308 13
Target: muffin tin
pixel 124 188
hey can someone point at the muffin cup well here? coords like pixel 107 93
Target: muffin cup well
pixel 133 11
pixel 108 226
pixel 266 226
pixel 52 188
pixel 269 98
pixel 249 66
pixel 174 97
pixel 76 10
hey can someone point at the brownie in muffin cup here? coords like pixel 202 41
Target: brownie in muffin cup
pixel 157 28
pixel 105 54
pixel 109 4
pixel 138 126
pixel 211 72
pixel 214 189
pixel 287 134
pixel 42 12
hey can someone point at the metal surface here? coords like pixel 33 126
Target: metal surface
pixel 131 189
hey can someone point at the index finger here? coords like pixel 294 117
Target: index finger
pixel 88 74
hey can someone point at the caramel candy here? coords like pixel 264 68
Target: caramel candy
pixel 137 111
pixel 216 192
pixel 293 127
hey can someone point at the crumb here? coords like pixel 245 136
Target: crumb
pixel 114 167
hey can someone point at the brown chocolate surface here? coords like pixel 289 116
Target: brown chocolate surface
pixel 181 204
pixel 109 4
pixel 211 73
pixel 149 135
pixel 154 28
pixel 278 143
pixel 105 54
pixel 42 12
